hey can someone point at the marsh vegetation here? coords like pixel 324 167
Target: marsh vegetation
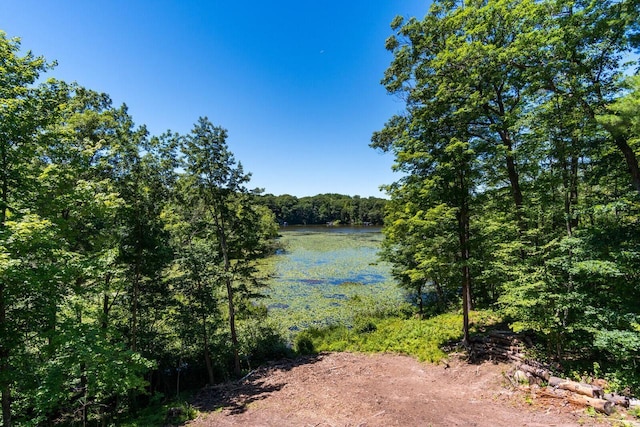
pixel 326 276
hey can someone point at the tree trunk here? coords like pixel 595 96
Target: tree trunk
pixel 442 301
pixel 538 372
pixel 207 355
pixel 232 326
pixel 222 237
pixel 106 307
pixel 134 312
pixel 600 405
pixel 463 235
pixel 629 156
pixel 514 180
pixel 580 388
pixel 573 191
pixel 5 368
pixel 621 142
pixel 466 296
pixel 512 171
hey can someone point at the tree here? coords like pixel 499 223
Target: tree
pixel 453 58
pixel 89 294
pixel 82 168
pixel 495 130
pixel 463 98
pixel 23 115
pixel 218 183
pixel 583 60
pixel 439 184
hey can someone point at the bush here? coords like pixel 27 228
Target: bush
pixel 365 325
pixel 260 342
pixel 304 344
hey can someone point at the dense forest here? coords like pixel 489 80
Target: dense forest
pixel 326 208
pixel 520 146
pixel 125 258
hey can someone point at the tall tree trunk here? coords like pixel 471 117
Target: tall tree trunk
pixel 570 184
pixel 514 181
pixel 232 326
pixel 573 191
pixel 512 171
pixel 207 355
pixel 224 248
pixel 106 307
pixel 5 368
pixel 134 311
pixel 463 223
pixel 463 235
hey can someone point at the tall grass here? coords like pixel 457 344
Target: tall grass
pixel 422 339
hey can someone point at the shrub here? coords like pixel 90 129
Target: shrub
pixel 304 344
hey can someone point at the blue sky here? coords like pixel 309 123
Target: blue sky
pixel 296 83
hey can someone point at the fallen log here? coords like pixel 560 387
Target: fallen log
pixel 551 392
pixel 513 348
pixel 519 358
pixel 616 399
pixel 538 372
pixel 580 388
pixel 504 335
pixel 502 340
pixel 599 405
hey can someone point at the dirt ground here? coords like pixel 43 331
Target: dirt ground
pixel 346 389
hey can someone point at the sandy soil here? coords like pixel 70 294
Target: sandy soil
pixel 345 389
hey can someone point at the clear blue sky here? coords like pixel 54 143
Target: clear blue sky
pixel 296 83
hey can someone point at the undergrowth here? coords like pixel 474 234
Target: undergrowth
pixel 161 411
pixel 421 338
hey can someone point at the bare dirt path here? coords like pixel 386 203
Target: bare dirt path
pixel 346 389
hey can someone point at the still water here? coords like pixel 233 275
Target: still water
pixel 325 275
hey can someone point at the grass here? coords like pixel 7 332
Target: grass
pixel 422 339
pixel 330 292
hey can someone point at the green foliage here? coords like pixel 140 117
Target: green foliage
pixel 423 339
pixel 110 266
pixel 519 148
pixel 161 411
pixel 303 343
pixel 106 372
pixel 325 208
pixel 261 342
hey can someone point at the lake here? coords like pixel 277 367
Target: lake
pixel 325 275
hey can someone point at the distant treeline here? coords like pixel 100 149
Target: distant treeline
pixel 325 208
